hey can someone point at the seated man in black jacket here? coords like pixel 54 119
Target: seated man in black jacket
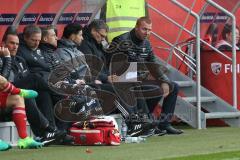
pixel 137 48
pixel 11 96
pixel 94 46
pixel 30 52
pixel 73 72
pixel 19 74
pixel 93 36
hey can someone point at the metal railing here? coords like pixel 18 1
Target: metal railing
pixel 173 46
pixel 198 70
pixel 21 12
pixel 234 62
pixel 197 49
pixel 198 40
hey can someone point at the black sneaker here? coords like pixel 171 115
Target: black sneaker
pixel 159 132
pixel 170 129
pixel 154 132
pixel 135 130
pixel 148 133
pixel 53 137
pixel 67 140
pixel 139 129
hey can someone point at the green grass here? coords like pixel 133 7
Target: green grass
pixel 234 155
pixel 192 145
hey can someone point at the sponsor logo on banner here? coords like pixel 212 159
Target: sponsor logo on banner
pixel 207 17
pixel 210 17
pixel 66 18
pixel 29 18
pixel 216 68
pixel 46 18
pixel 83 18
pixel 7 19
pixel 221 17
pixel 228 68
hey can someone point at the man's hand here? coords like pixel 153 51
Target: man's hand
pixel 166 88
pixel 113 78
pixel 4 51
pixel 80 81
pixel 97 82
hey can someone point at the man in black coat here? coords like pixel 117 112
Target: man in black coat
pixel 73 72
pixel 20 75
pixel 136 46
pixel 94 35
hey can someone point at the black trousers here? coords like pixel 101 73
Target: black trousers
pixel 36 119
pixel 111 99
pixel 143 98
pixel 168 105
pixel 44 100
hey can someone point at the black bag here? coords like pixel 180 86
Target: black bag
pixel 79 107
pixel 87 103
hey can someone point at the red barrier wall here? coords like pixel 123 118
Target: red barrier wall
pixel 216 74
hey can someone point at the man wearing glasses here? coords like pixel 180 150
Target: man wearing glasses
pixel 92 46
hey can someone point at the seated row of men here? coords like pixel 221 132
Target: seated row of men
pixel 37 60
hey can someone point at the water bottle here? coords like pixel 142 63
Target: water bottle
pixel 134 139
pixel 124 131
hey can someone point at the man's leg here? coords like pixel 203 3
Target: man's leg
pixel 32 81
pixel 113 102
pixel 19 118
pixel 35 118
pixel 168 108
pixel 7 87
pixel 40 126
pixel 3 145
pixel 45 104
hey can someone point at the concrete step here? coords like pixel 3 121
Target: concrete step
pixel 215 115
pixel 203 99
pixel 185 83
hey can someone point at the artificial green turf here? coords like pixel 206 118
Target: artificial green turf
pixel 233 155
pixel 192 142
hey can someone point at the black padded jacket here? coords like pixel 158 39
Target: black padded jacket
pixel 138 51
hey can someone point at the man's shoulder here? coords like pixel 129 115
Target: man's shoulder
pixel 62 50
pixel 124 36
pixel 23 47
pixel 19 59
pixel 86 44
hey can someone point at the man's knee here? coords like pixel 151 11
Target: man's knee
pixel 3 82
pixel 175 88
pixel 15 100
